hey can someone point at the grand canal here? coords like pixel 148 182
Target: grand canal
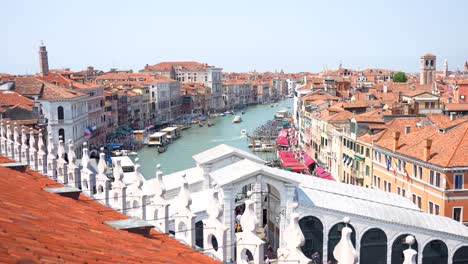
pixel 197 139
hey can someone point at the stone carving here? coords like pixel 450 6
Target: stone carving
pixel 294 240
pixel 410 254
pixel 344 251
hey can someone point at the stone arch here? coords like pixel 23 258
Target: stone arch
pixel 398 246
pixel 100 189
pixel 373 249
pixel 434 252
pixel 334 236
pixel 312 229
pixel 461 255
pixel 199 234
pixel 212 242
pixel 246 256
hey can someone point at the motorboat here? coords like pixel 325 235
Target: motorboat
pixel 237 119
pixel 162 149
pixel 210 124
pixel 243 132
pixel 222 114
pixel 264 148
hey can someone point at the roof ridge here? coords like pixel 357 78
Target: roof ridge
pixel 457 146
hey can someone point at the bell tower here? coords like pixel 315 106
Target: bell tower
pixel 43 59
pixel 427 69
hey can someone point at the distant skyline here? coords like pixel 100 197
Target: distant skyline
pixel 236 35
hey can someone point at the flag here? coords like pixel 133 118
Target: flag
pixel 388 163
pixel 407 174
pixel 395 168
pixel 88 131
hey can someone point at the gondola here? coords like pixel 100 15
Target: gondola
pixel 210 124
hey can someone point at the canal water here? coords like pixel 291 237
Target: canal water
pixel 197 139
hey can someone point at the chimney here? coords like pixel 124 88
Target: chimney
pixel 427 149
pixel 452 116
pixel 407 130
pixel 396 137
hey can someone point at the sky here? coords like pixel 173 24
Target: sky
pixel 237 35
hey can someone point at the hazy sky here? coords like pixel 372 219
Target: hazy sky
pixel 238 35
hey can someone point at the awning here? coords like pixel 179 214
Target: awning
pixel 319 170
pixel 307 159
pixel 282 141
pixel 113 145
pixel 294 140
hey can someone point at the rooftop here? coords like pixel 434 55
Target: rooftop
pixel 33 226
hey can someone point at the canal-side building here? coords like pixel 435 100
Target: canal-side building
pixel 193 72
pixel 428 167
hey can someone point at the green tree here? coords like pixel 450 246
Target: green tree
pixel 400 77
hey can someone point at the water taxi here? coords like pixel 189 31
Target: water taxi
pixel 172 133
pixel 157 139
pixel 237 119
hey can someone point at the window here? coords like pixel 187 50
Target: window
pixel 434 178
pixel 367 152
pixel 403 192
pixel 367 170
pixel 457 213
pixel 458 182
pixel 415 170
pixel 417 200
pixel 431 207
pixel 378 182
pixel 431 177
pixel 420 172
pixel 60 113
pixel 61 133
pixel 398 190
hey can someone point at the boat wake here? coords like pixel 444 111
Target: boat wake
pixel 227 139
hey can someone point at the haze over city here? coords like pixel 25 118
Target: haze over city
pixel 239 35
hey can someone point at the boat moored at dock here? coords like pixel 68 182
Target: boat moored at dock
pixel 157 139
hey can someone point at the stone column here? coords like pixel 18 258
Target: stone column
pixel 32 151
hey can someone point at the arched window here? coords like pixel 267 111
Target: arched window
pixel 60 113
pixel 61 133
pixel 312 228
pixel 435 252
pixel 461 255
pixel 334 237
pixel 373 247
pixel 199 234
pixel 399 246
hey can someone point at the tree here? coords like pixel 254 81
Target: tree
pixel 400 77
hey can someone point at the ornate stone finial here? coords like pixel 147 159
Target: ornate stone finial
pixel 85 156
pixel 32 140
pixel 61 149
pixel 249 220
pixel 410 254
pixel 102 165
pixel 214 209
pixel 344 251
pixel 185 199
pixel 50 146
pixel 40 141
pixel 118 171
pixel 139 176
pixel 24 137
pixel 160 189
pixel 16 133
pixel 71 152
pixel 346 220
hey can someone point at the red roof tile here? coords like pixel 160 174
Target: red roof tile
pixel 45 227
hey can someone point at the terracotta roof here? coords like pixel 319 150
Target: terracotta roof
pixel 185 65
pixel 456 107
pixel 54 92
pixel 341 116
pixel 131 78
pixel 373 116
pixel 39 226
pixel 46 91
pixel 28 85
pixel 449 149
pixel 10 98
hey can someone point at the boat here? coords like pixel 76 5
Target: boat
pixel 264 148
pixel 172 133
pixel 157 139
pixel 210 124
pixel 272 105
pixel 200 124
pixel 243 112
pixel 228 113
pixel 243 132
pixel 222 114
pixel 162 149
pixel 237 119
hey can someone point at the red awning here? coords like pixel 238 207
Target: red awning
pixel 294 140
pixel 283 133
pixel 307 159
pixel 319 170
pixel 327 176
pixel 282 141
